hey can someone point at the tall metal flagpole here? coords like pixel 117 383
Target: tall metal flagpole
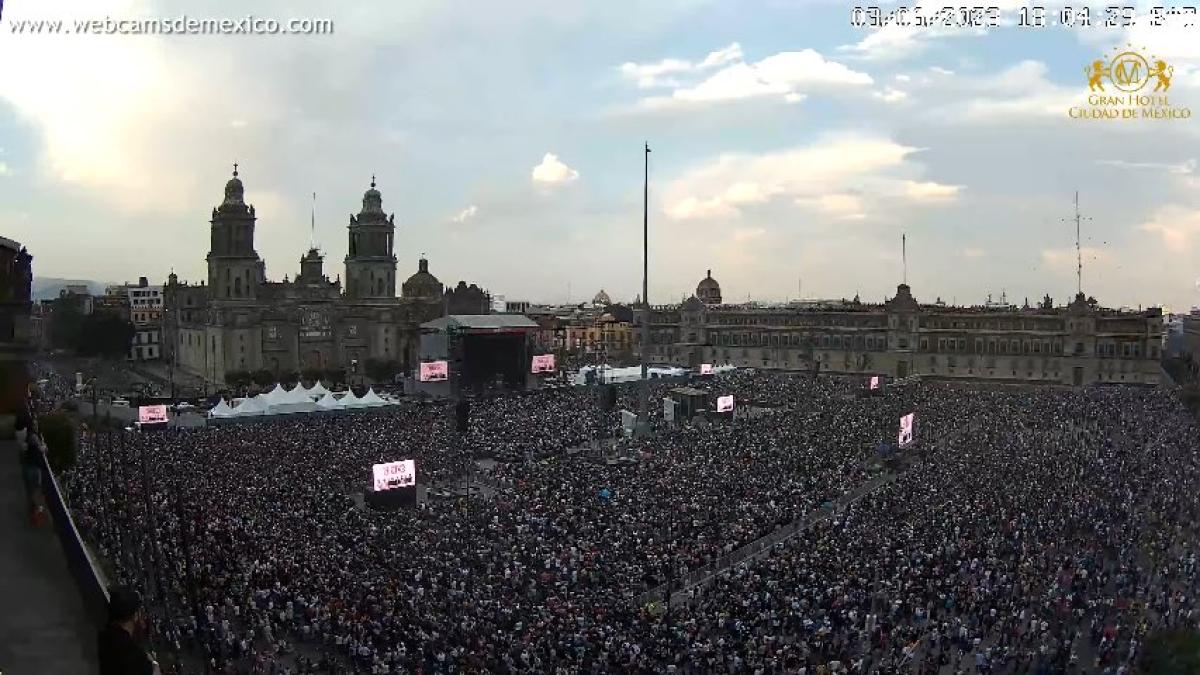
pixel 643 425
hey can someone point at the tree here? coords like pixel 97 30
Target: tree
pixel 289 378
pixel 1172 653
pixel 263 377
pixel 105 334
pixel 381 370
pixel 66 323
pixel 239 378
pixel 312 374
pixel 58 431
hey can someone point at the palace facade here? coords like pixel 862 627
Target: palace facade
pixel 237 320
pixel 1077 344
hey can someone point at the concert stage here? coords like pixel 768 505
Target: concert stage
pixel 482 353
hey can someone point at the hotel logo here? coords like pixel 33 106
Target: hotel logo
pixel 1129 86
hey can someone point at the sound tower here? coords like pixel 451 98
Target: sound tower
pixel 608 397
pixel 462 415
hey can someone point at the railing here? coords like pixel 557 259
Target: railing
pixel 79 561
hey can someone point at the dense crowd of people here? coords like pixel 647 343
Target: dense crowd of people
pixel 1038 530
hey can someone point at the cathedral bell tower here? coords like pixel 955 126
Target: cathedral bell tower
pixel 234 268
pixel 371 264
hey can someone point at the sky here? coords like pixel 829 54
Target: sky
pixel 790 150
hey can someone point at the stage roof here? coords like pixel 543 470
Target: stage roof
pixel 484 321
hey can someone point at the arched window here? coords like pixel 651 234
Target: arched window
pixel 237 287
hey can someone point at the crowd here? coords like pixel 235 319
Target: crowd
pixel 1040 530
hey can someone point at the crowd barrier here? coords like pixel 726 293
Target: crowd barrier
pixel 83 569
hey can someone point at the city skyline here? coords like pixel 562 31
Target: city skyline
pixel 781 155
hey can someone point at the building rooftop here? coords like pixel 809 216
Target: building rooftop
pixel 482 321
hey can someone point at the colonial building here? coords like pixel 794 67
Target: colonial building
pixel 237 320
pixel 1078 344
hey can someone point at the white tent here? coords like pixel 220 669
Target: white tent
pixel 328 402
pixel 318 390
pixel 250 406
pixel 372 399
pixel 293 401
pixel 351 401
pixel 273 396
pixel 221 409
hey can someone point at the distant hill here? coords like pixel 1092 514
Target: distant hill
pixel 48 288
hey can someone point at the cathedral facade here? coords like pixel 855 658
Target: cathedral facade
pixel 237 320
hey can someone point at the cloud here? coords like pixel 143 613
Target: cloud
pixel 651 75
pixel 553 172
pixel 890 95
pixel 930 192
pixel 972 253
pixel 1186 167
pixel 785 75
pixel 1063 260
pixel 1178 226
pixel 1020 91
pixel 829 176
pixel 895 42
pixel 466 214
pixel 4 170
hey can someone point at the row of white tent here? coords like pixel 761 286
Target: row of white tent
pixel 299 399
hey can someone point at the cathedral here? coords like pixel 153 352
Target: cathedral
pixel 237 320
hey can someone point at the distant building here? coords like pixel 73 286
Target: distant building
pixel 16 335
pixel 145 312
pixel 238 320
pixel 1079 344
pixel 516 306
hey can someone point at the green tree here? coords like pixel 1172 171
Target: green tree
pixel 289 378
pixel 1172 653
pixel 263 377
pixel 312 374
pixel 239 378
pixel 58 431
pixel 105 334
pixel 381 370
pixel 66 323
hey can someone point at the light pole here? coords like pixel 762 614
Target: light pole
pixel 643 426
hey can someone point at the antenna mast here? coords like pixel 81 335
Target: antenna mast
pixel 1078 250
pixel 1078 246
pixel 904 255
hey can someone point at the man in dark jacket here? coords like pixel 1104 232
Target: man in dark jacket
pixel 118 644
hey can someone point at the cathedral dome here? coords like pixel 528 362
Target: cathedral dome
pixel 234 190
pixel 372 200
pixel 601 299
pixel 422 284
pixel 708 290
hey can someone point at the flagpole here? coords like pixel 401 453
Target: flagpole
pixel 643 423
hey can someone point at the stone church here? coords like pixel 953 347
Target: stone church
pixel 237 320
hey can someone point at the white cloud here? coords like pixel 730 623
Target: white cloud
pixel 787 75
pixel 552 171
pixel 894 42
pixel 972 253
pixel 890 95
pixel 4 170
pixel 1063 260
pixel 466 214
pixel 1186 167
pixel 928 191
pixel 651 75
pixel 1177 226
pixel 829 176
